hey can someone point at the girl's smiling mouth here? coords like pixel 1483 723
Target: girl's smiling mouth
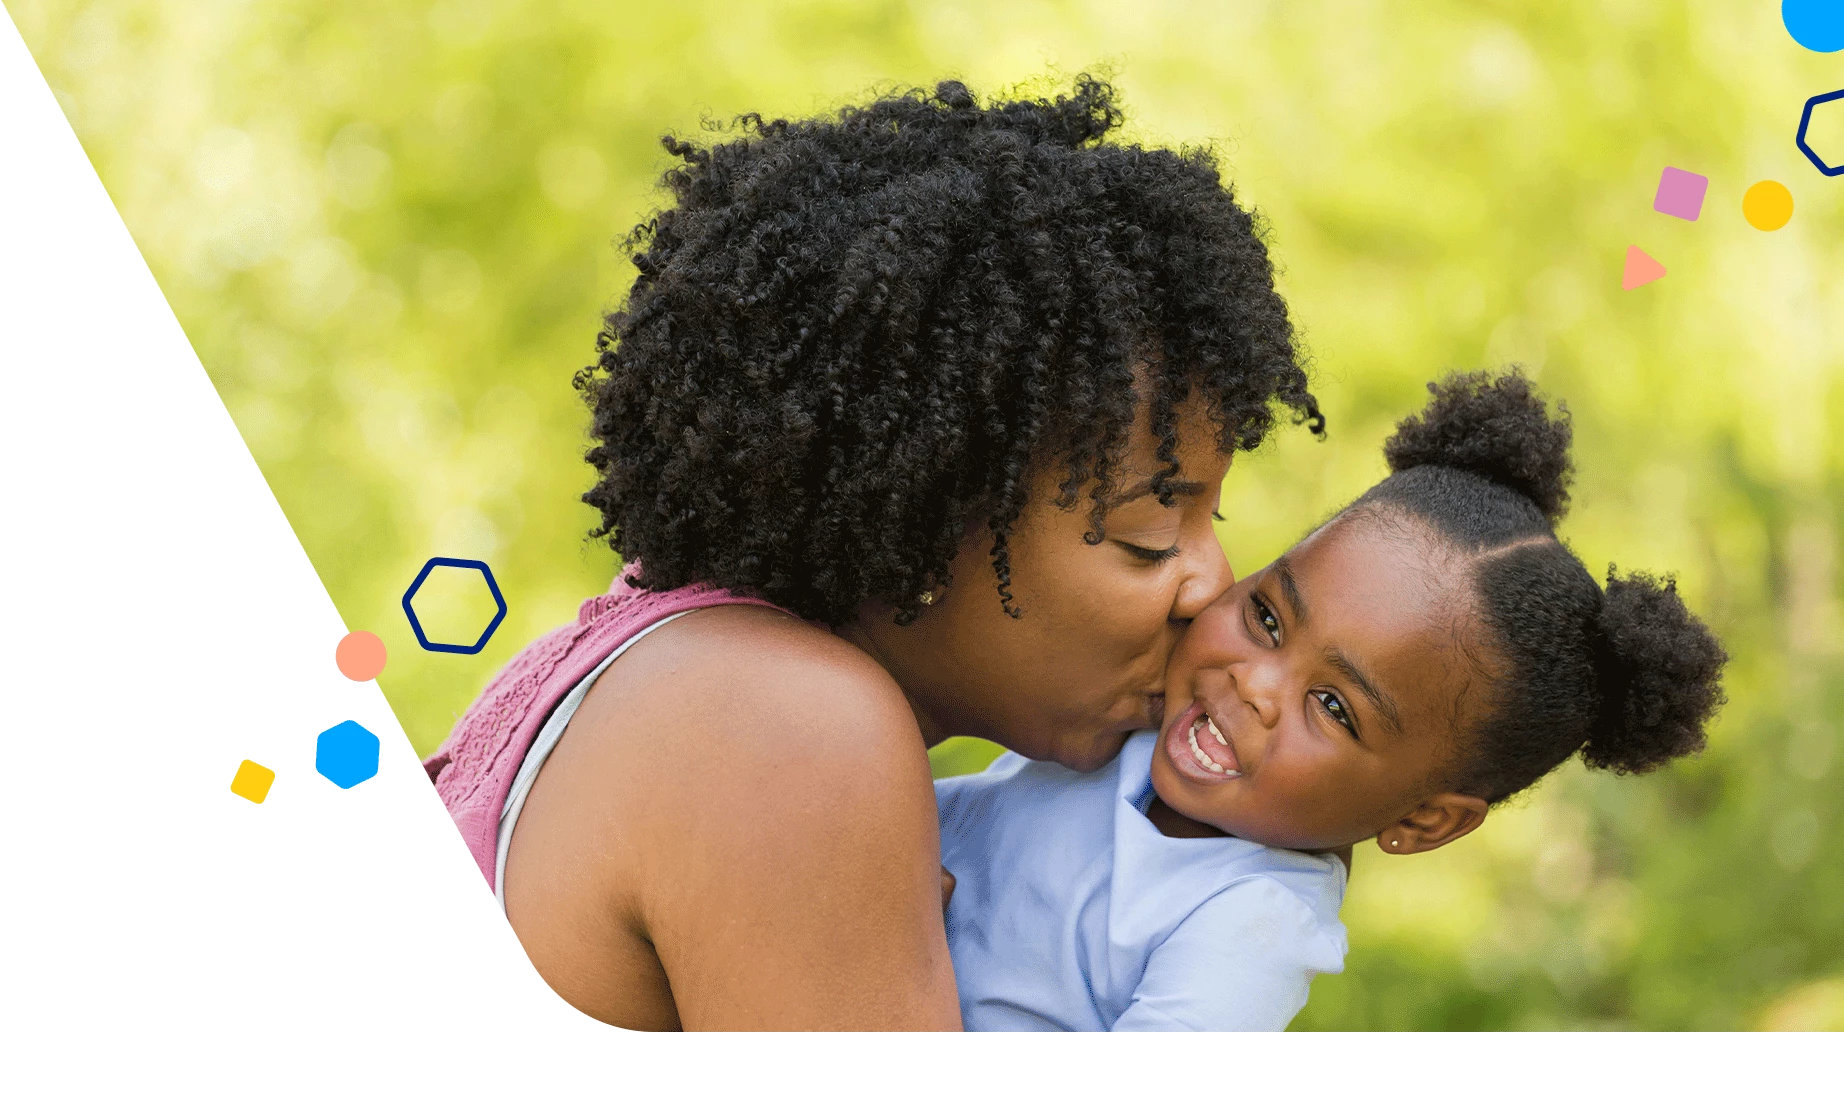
pixel 1198 748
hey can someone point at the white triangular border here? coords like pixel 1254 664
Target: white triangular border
pixel 275 504
pixel 216 397
pixel 200 367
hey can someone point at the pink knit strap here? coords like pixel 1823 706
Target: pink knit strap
pixel 474 769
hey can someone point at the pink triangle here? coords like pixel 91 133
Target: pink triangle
pixel 1640 269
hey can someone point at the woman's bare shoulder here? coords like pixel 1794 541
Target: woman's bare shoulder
pixel 761 798
pixel 726 706
pixel 749 797
pixel 779 671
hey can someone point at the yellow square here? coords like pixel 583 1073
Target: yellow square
pixel 252 781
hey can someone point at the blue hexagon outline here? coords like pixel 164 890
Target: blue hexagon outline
pixel 1805 121
pixel 416 626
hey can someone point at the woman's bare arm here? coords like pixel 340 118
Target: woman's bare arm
pixel 760 831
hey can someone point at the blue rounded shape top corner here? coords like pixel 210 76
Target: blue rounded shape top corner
pixel 1817 25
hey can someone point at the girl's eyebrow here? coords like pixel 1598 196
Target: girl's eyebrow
pixel 1346 667
pixel 1290 587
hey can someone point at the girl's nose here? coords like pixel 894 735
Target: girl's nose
pixel 1259 684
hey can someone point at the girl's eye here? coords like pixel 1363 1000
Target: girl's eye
pixel 1150 555
pixel 1269 622
pixel 1335 707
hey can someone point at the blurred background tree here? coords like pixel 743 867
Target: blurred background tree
pixel 389 230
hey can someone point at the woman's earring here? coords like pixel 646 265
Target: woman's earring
pixel 1393 843
pixel 926 598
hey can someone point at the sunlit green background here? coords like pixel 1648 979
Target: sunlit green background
pixel 387 227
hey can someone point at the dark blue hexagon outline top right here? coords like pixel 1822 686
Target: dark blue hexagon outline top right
pixel 1805 121
pixel 416 626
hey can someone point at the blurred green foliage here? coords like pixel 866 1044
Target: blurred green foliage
pixel 388 229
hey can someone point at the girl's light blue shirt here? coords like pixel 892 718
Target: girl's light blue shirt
pixel 1071 912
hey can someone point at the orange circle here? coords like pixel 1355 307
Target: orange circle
pixel 360 655
pixel 1768 205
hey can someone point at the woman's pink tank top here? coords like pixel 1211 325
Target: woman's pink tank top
pixel 474 769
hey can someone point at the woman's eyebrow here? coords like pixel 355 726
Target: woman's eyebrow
pixel 1183 488
pixel 1386 706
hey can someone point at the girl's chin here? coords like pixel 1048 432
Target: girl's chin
pixel 1173 785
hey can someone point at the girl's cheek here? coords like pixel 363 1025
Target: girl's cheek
pixel 1179 681
pixel 1211 638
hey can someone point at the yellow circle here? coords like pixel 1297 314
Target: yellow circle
pixel 1768 205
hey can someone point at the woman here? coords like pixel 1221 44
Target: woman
pixel 913 422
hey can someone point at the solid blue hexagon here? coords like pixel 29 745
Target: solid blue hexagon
pixel 416 625
pixel 347 754
pixel 1805 122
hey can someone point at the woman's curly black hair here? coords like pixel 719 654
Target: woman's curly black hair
pixel 852 336
pixel 1627 676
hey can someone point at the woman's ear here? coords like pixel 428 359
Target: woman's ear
pixel 1433 823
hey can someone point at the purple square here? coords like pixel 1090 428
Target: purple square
pixel 1680 193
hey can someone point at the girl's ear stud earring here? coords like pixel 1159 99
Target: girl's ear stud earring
pixel 927 598
pixel 1393 843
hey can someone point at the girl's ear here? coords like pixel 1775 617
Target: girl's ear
pixel 1433 823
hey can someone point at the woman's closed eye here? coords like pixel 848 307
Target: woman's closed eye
pixel 1150 555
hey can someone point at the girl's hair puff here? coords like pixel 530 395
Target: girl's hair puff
pixel 1625 675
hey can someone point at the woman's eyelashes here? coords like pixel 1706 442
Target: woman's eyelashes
pixel 1150 555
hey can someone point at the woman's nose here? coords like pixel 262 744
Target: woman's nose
pixel 1207 578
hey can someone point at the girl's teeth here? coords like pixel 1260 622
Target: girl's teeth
pixel 1197 751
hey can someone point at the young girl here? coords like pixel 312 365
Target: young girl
pixel 1427 653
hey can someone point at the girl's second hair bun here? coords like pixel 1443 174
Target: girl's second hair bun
pixel 1494 426
pixel 1660 676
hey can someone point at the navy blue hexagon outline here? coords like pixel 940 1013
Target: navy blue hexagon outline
pixel 416 626
pixel 1805 121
